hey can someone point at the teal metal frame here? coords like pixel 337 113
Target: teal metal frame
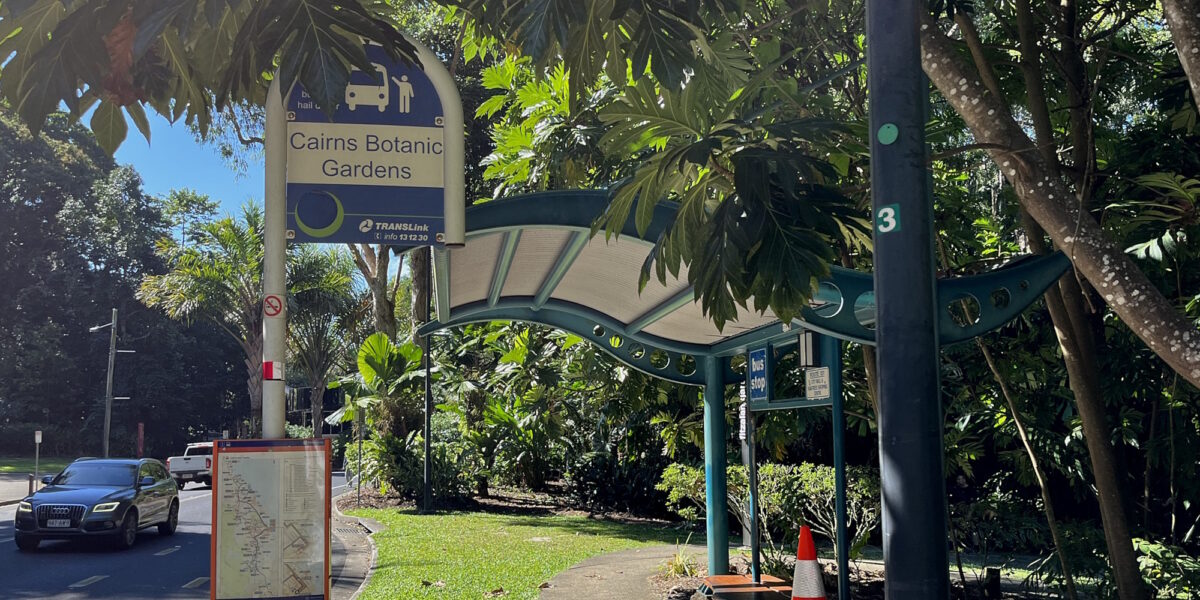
pixel 843 309
pixel 716 513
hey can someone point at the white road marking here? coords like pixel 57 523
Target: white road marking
pixel 204 495
pixel 6 540
pixel 195 583
pixel 167 551
pixel 88 581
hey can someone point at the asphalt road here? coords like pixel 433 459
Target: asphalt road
pixel 157 566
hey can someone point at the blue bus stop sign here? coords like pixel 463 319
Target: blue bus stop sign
pixel 375 172
pixel 758 376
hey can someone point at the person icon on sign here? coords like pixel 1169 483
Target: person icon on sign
pixel 404 93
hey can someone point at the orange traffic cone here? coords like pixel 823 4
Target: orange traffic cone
pixel 807 583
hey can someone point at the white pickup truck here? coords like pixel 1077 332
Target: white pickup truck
pixel 194 465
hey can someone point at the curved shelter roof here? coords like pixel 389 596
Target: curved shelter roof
pixel 532 258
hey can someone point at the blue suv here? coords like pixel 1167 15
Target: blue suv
pixel 100 497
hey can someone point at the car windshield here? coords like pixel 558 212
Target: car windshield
pixel 97 474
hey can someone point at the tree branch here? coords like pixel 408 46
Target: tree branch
pixel 1183 19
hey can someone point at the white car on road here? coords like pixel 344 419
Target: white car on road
pixel 194 465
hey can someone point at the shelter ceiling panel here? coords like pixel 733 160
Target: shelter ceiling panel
pixel 536 254
pixel 689 324
pixel 605 277
pixel 471 268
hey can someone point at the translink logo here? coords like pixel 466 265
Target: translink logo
pixel 366 225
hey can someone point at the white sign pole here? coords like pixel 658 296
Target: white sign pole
pixel 454 154
pixel 37 451
pixel 274 261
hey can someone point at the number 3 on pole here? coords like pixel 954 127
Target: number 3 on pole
pixel 887 219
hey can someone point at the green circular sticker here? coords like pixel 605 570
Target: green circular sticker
pixel 887 134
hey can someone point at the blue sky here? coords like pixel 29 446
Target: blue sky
pixel 174 159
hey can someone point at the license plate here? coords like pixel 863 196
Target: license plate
pixel 58 523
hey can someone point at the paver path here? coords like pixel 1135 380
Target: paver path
pixel 623 575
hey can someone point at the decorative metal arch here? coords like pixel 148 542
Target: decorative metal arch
pixel 843 306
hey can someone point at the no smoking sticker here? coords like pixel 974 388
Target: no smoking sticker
pixel 272 305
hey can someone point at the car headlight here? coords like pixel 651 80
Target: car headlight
pixel 24 507
pixel 105 507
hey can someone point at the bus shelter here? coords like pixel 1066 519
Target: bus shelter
pixel 534 258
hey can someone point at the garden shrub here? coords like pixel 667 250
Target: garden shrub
pixel 297 432
pixel 398 464
pixel 1170 570
pixel 790 496
pixel 604 481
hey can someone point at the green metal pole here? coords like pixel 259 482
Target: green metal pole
pixel 714 467
pixel 910 409
pixel 832 348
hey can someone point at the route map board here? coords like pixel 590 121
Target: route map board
pixel 374 173
pixel 270 524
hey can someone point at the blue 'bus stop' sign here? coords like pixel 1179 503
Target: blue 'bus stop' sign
pixel 375 172
pixel 758 376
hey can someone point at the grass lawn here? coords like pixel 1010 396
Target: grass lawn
pixel 476 553
pixel 24 464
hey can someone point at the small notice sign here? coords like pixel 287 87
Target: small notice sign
pixel 816 383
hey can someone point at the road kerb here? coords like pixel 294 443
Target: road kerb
pixel 372 527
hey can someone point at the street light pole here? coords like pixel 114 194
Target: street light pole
pixel 108 387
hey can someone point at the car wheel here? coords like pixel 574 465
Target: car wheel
pixel 168 527
pixel 208 481
pixel 127 535
pixel 27 543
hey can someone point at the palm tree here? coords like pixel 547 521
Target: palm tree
pixel 317 338
pixel 219 279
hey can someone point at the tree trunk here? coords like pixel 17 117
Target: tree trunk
pixel 1183 19
pixel 1047 503
pixel 254 381
pixel 1140 305
pixel 418 265
pixel 1083 376
pixel 317 404
pixel 1054 207
pixel 373 263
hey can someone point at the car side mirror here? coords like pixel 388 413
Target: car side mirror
pixel 147 481
pixel 47 479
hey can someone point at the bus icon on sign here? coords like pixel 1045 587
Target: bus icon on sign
pixel 369 94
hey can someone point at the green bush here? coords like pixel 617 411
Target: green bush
pixel 1168 569
pixel 398 464
pixel 298 432
pixel 789 496
pixel 603 481
pixel 339 444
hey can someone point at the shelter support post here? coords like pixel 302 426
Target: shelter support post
pixel 833 351
pixel 910 416
pixel 274 260
pixel 714 467
pixel 750 461
pixel 427 358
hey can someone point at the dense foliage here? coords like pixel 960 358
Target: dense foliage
pixel 1072 125
pixel 77 235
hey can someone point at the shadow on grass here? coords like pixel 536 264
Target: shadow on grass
pixel 548 517
pixel 642 532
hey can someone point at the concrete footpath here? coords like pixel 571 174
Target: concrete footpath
pixel 13 487
pixel 623 575
pixel 353 550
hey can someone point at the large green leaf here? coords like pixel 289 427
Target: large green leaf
pixel 108 123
